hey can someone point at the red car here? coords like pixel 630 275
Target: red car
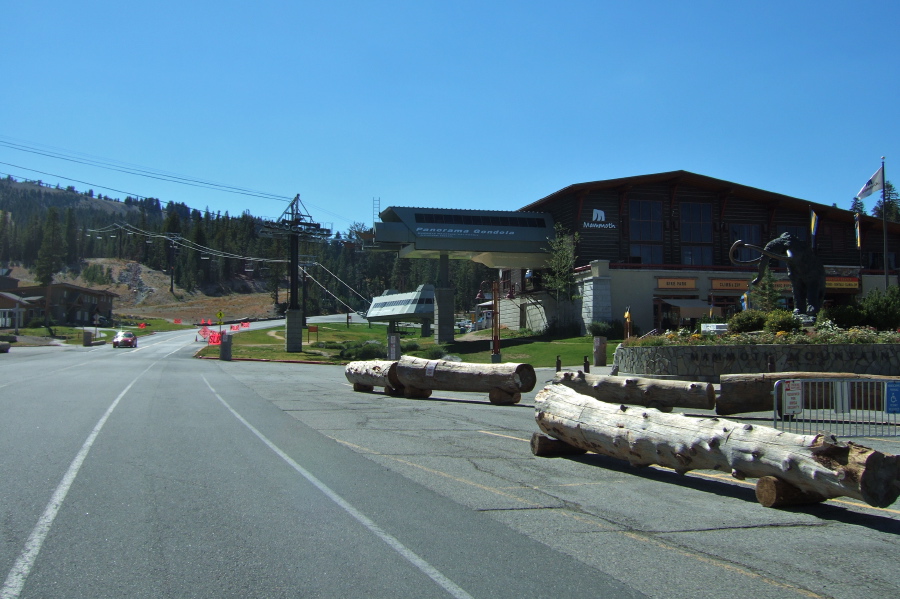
pixel 124 339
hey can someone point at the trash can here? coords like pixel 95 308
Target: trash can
pixel 225 347
pixel 88 339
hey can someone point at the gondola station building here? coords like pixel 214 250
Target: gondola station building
pixel 655 245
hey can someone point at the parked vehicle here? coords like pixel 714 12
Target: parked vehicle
pixel 124 339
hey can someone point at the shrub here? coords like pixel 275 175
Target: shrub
pixel 882 310
pixel 410 347
pixel 561 330
pixel 435 352
pixel 599 329
pixel 781 320
pixel 371 351
pixel 850 315
pixel 746 321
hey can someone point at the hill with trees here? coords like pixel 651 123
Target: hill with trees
pixel 56 232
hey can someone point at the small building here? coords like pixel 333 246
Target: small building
pixel 67 303
pixel 12 310
pixel 394 307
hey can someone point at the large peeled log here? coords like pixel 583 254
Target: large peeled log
pixel 817 465
pixel 368 374
pixel 504 383
pixel 655 393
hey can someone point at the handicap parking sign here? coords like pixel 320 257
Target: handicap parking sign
pixel 892 398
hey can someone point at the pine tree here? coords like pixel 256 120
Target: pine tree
pixel 52 255
pixel 561 275
pixel 892 200
pixel 764 295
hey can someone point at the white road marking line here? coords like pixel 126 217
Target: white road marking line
pixel 426 568
pixel 25 562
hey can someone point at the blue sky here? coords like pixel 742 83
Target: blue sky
pixel 446 104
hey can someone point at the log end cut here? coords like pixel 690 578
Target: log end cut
pixel 544 446
pixel 771 491
pixel 500 397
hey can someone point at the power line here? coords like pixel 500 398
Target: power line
pixel 149 173
pixel 141 171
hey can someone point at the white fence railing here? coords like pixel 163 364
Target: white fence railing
pixel 842 407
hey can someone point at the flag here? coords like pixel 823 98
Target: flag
pixel 856 226
pixel 873 184
pixel 813 222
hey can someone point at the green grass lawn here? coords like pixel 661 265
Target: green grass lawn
pixel 326 346
pixel 75 335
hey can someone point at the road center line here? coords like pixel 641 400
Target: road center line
pixel 25 562
pixel 426 568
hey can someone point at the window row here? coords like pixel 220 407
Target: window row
pixel 696 228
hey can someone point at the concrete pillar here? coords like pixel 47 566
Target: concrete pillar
pixel 444 304
pixel 443 315
pixel 293 330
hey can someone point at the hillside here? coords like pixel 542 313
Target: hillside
pixel 145 292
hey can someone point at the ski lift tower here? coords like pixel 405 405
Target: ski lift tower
pixel 294 223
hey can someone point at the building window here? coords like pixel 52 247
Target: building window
pixel 696 223
pixel 875 260
pixel 645 225
pixel 645 254
pixel 696 255
pixel 747 234
pixel 645 222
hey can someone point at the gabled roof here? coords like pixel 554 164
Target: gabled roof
pixel 720 186
pixel 87 290
pixel 14 298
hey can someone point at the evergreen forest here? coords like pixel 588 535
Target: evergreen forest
pixel 51 230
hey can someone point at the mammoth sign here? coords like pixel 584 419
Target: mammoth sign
pixel 804 269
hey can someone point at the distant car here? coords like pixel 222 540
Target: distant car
pixel 124 339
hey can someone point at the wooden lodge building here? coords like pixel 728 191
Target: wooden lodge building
pixel 658 245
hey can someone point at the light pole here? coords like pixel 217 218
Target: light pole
pixel 495 317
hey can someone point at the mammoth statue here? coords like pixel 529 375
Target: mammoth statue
pixel 804 269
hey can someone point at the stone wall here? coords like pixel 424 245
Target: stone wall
pixel 706 363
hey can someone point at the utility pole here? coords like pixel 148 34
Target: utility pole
pixel 172 239
pixel 295 223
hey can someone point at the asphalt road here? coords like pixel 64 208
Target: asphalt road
pixel 149 473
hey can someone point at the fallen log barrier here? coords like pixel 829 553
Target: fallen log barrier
pixel 654 393
pixel 368 374
pixel 743 393
pixel 812 467
pixel 504 383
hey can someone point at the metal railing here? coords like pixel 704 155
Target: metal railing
pixel 843 407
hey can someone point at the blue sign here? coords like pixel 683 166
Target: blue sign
pixel 892 398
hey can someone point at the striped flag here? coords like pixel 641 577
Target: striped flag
pixel 856 226
pixel 813 222
pixel 873 184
